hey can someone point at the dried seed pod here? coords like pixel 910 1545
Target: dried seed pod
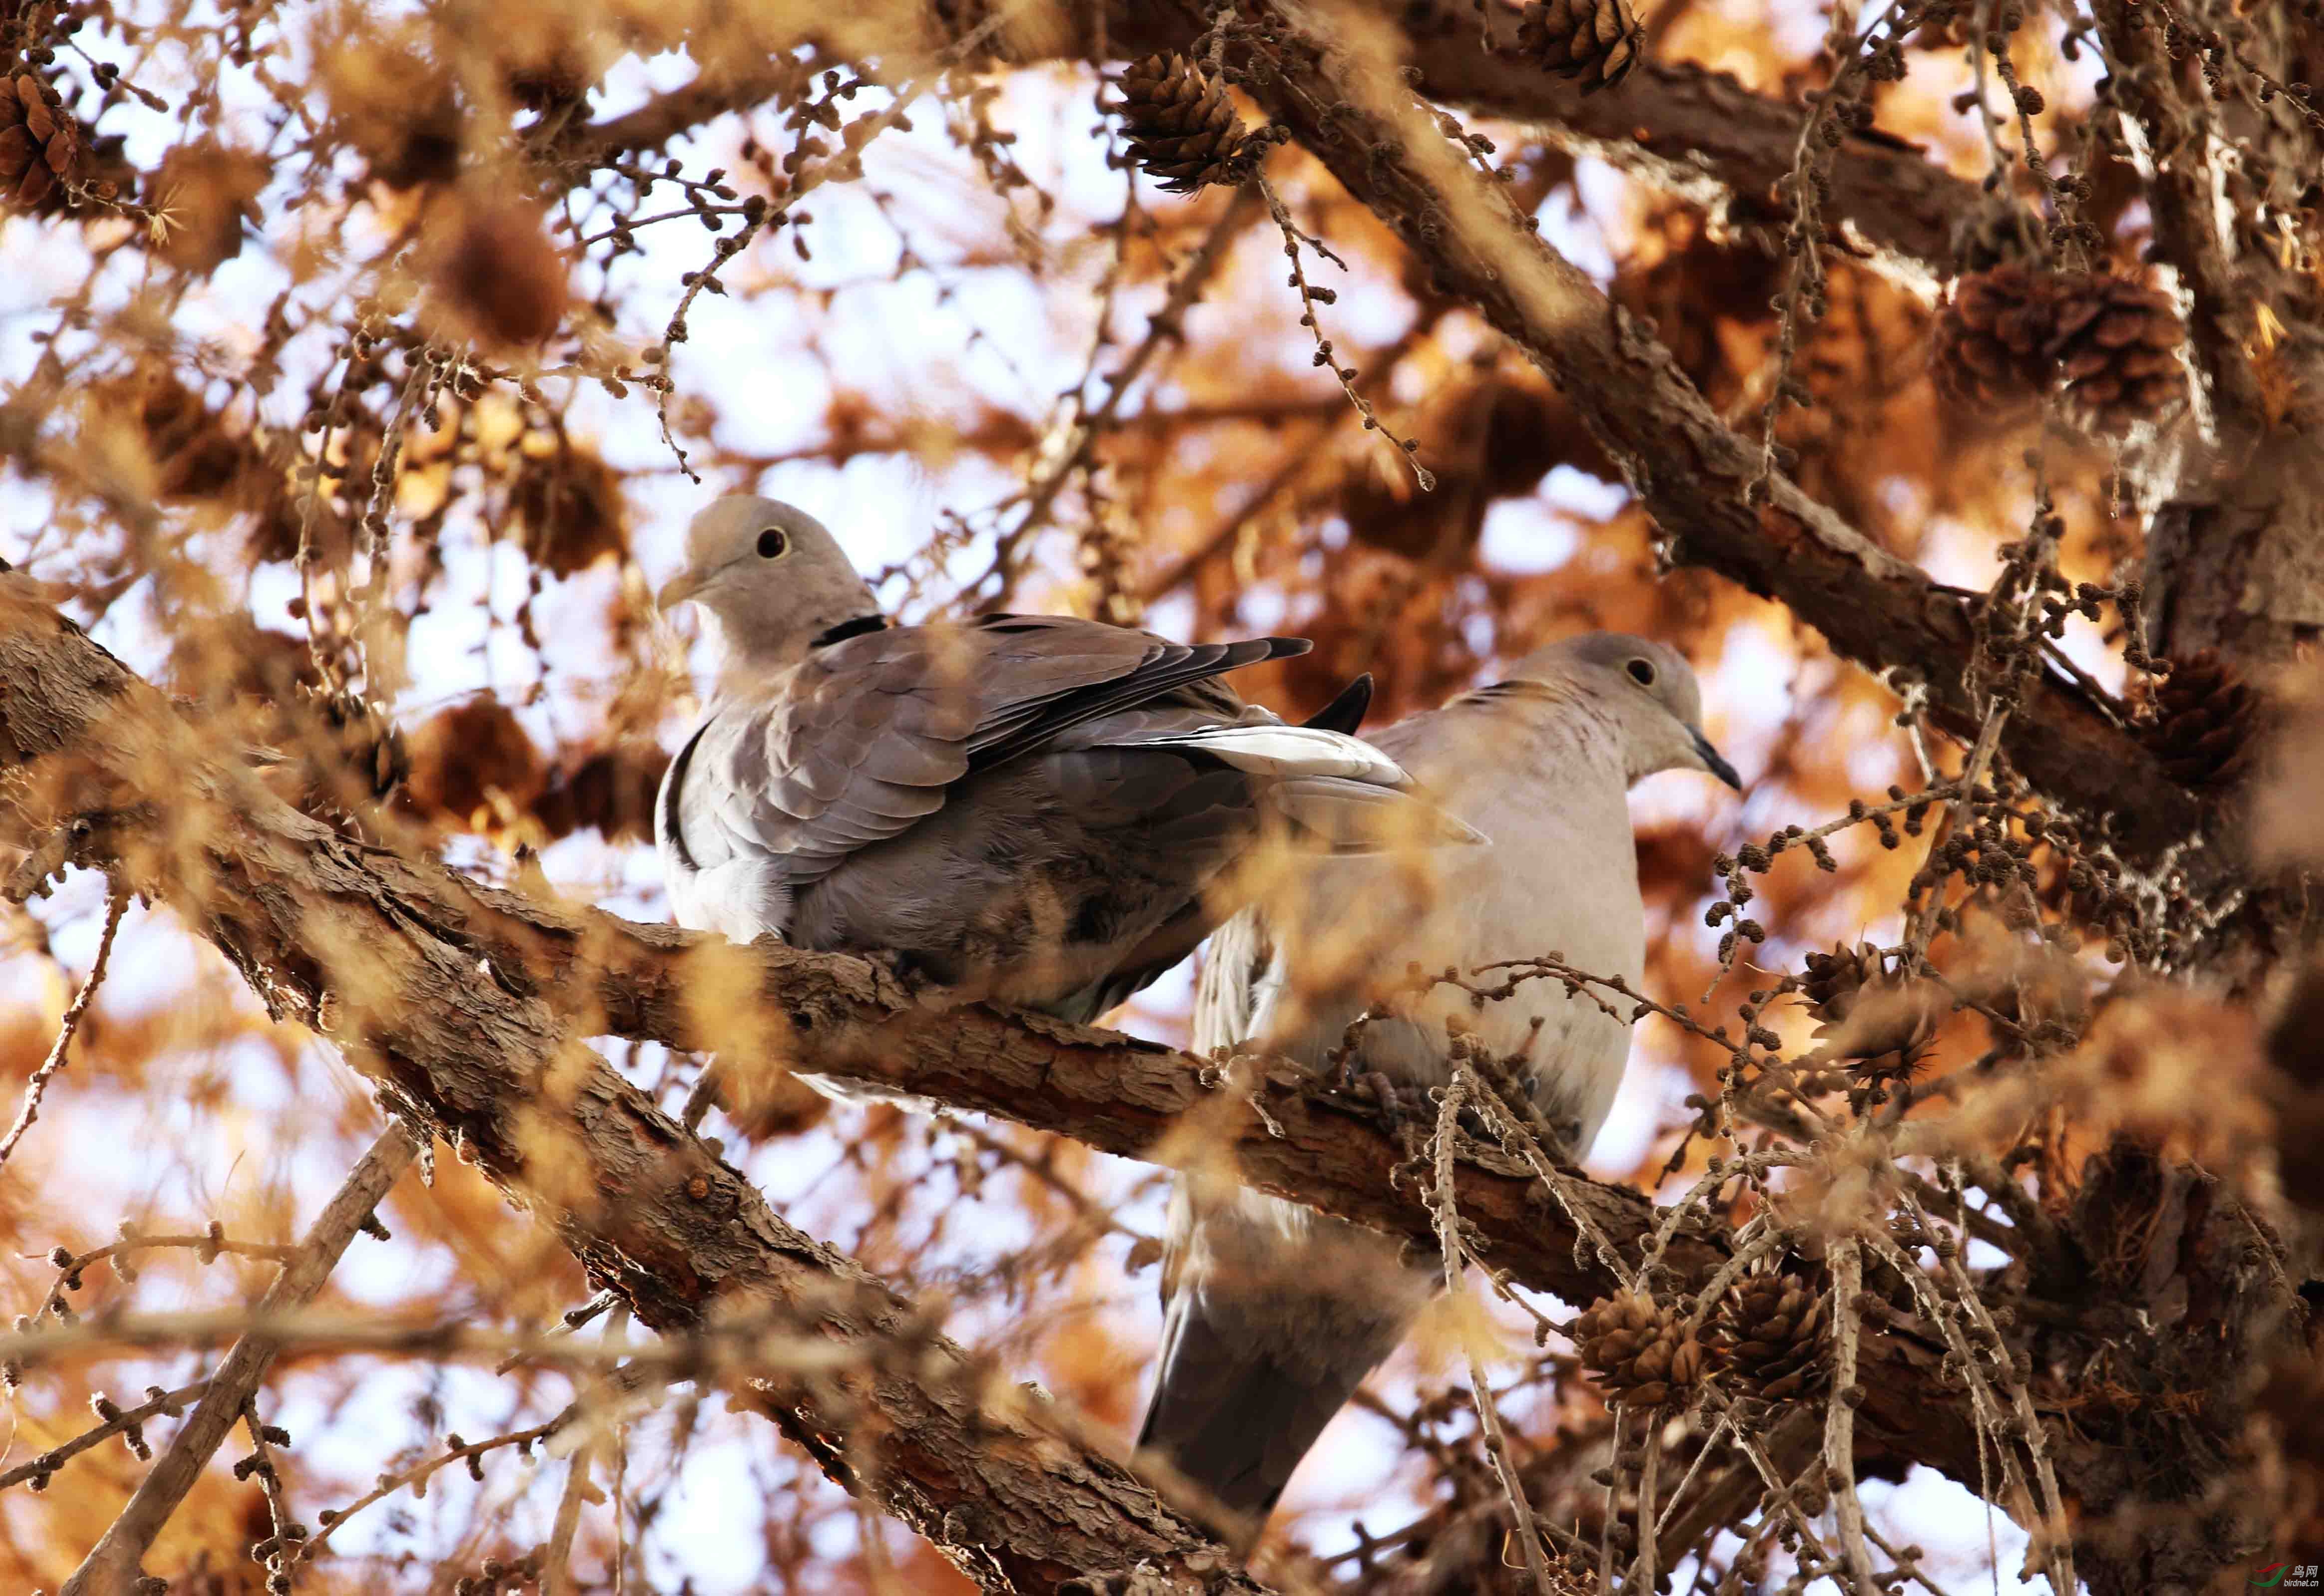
pixel 500 274
pixel 1639 1352
pixel 1866 1011
pixel 1994 340
pixel 1771 1334
pixel 1596 41
pixel 1835 978
pixel 2115 343
pixel 2204 713
pixel 369 748
pixel 39 141
pixel 1183 129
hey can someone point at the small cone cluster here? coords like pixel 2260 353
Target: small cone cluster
pixel 2203 717
pixel 1183 129
pixel 38 143
pixel 1596 41
pixel 1771 1336
pixel 1639 1352
pixel 2011 332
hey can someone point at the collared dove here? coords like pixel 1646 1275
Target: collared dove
pixel 1273 1313
pixel 1032 809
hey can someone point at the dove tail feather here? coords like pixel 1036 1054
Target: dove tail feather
pixel 1353 817
pixel 1346 712
pixel 1231 1418
pixel 1291 751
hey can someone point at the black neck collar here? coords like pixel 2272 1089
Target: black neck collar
pixel 847 629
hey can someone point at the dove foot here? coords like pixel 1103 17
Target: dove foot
pixel 1400 1103
pixel 909 971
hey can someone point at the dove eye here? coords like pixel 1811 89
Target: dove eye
pixel 772 543
pixel 1642 671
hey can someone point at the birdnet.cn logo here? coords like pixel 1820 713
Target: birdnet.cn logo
pixel 2287 1576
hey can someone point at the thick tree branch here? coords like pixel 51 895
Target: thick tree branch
pixel 1702 135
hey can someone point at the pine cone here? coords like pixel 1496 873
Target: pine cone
pixel 2116 345
pixel 1835 978
pixel 1182 127
pixel 1994 340
pixel 38 143
pixel 1771 1335
pixel 369 746
pixel 2203 715
pixel 1867 1012
pixel 1596 41
pixel 1635 1350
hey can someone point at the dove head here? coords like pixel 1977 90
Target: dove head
pixel 1646 688
pixel 773 578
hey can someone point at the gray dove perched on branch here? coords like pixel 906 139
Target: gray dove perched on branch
pixel 1031 809
pixel 1273 1313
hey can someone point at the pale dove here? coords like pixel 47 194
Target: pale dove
pixel 1274 1314
pixel 1032 809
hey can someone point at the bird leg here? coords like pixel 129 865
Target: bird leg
pixel 910 972
pixel 1399 1102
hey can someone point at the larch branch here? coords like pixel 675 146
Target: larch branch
pixel 1677 127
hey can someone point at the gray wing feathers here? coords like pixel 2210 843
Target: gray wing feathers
pixel 1052 673
pixel 864 738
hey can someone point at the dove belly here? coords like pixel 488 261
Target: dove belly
pixel 1557 883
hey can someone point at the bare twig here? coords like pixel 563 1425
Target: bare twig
pixel 1839 1421
pixel 112 1564
pixel 557 1573
pixel 1167 324
pixel 37 1086
pixel 465 1452
pixel 126 1421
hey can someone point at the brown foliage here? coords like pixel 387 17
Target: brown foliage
pixel 500 277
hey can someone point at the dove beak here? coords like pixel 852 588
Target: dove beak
pixel 1714 763
pixel 679 589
